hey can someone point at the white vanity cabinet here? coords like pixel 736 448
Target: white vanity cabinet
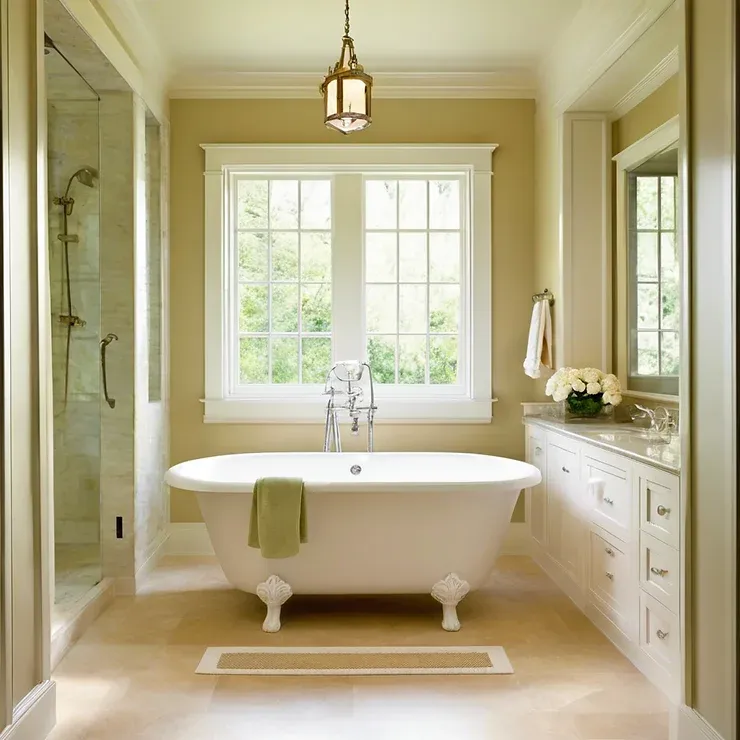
pixel 565 529
pixel 536 500
pixel 605 527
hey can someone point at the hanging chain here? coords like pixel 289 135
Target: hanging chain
pixel 346 17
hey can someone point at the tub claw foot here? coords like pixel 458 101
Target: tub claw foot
pixel 449 592
pixel 274 592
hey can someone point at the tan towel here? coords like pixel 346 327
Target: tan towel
pixel 277 522
pixel 539 344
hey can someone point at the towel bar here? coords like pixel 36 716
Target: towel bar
pixel 544 296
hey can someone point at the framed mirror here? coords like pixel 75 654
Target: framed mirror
pixel 648 259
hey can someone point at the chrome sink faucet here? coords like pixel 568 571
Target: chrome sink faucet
pixel 348 385
pixel 662 422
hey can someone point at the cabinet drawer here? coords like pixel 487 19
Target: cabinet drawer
pixel 659 505
pixel 563 443
pixel 659 634
pixel 659 571
pixel 611 580
pixel 562 470
pixel 609 491
pixel 561 461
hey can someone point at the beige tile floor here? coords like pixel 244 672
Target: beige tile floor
pixel 132 674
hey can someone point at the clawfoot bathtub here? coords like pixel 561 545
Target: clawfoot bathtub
pixel 381 523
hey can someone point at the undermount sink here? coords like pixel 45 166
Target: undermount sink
pixel 638 434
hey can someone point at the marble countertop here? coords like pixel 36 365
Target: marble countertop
pixel 625 439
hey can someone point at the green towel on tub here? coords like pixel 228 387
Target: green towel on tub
pixel 277 523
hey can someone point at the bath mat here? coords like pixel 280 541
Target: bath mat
pixel 365 661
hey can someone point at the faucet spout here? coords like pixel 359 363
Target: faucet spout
pixel 348 385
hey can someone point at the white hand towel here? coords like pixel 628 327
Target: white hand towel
pixel 539 344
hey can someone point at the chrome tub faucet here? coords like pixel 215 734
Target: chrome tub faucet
pixel 349 385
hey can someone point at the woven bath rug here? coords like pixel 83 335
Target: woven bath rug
pixel 365 661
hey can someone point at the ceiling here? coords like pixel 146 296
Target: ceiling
pixel 394 36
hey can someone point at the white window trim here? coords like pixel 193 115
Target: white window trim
pixel 221 159
pixel 628 159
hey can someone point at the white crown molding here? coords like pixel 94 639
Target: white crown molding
pixel 497 84
pixel 657 77
pixel 572 68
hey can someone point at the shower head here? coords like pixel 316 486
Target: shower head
pixel 85 176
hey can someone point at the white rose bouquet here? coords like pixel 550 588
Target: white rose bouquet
pixel 585 390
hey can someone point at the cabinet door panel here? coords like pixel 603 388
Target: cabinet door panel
pixel 565 525
pixel 537 495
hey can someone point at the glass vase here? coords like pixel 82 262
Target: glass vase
pixel 582 407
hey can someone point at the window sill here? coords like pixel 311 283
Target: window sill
pixel 312 411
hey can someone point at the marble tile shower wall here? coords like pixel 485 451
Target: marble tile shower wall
pixel 109 463
pixel 73 143
pixel 117 270
pixel 151 502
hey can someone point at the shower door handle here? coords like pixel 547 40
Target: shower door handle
pixel 103 345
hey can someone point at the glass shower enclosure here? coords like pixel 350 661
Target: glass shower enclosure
pixel 74 259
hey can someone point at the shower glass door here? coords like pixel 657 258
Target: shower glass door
pixel 74 259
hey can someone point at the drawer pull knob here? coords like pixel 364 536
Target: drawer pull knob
pixel 609 551
pixel 609 501
pixel 663 511
pixel 662 572
pixel 661 635
pixel 537 450
pixel 565 470
pixel 609 575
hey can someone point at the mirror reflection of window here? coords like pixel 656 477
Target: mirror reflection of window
pixel 654 288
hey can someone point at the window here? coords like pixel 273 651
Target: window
pixel 654 275
pixel 315 254
pixel 413 249
pixel 283 253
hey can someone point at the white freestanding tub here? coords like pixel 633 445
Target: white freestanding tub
pixel 380 523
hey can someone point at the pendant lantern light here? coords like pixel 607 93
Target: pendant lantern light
pixel 347 90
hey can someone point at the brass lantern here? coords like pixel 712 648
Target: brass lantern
pixel 347 90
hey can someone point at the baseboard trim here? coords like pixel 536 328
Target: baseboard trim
pixel 191 538
pixel 125 586
pixel 35 716
pixel 690 725
pixel 188 538
pixel 157 552
pixel 518 540
pixel 561 579
pixel 93 604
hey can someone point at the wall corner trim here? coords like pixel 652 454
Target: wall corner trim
pixel 688 724
pixel 157 551
pixel 35 716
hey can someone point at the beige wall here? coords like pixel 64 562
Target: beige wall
pixel 652 112
pixel 547 213
pixel 509 123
